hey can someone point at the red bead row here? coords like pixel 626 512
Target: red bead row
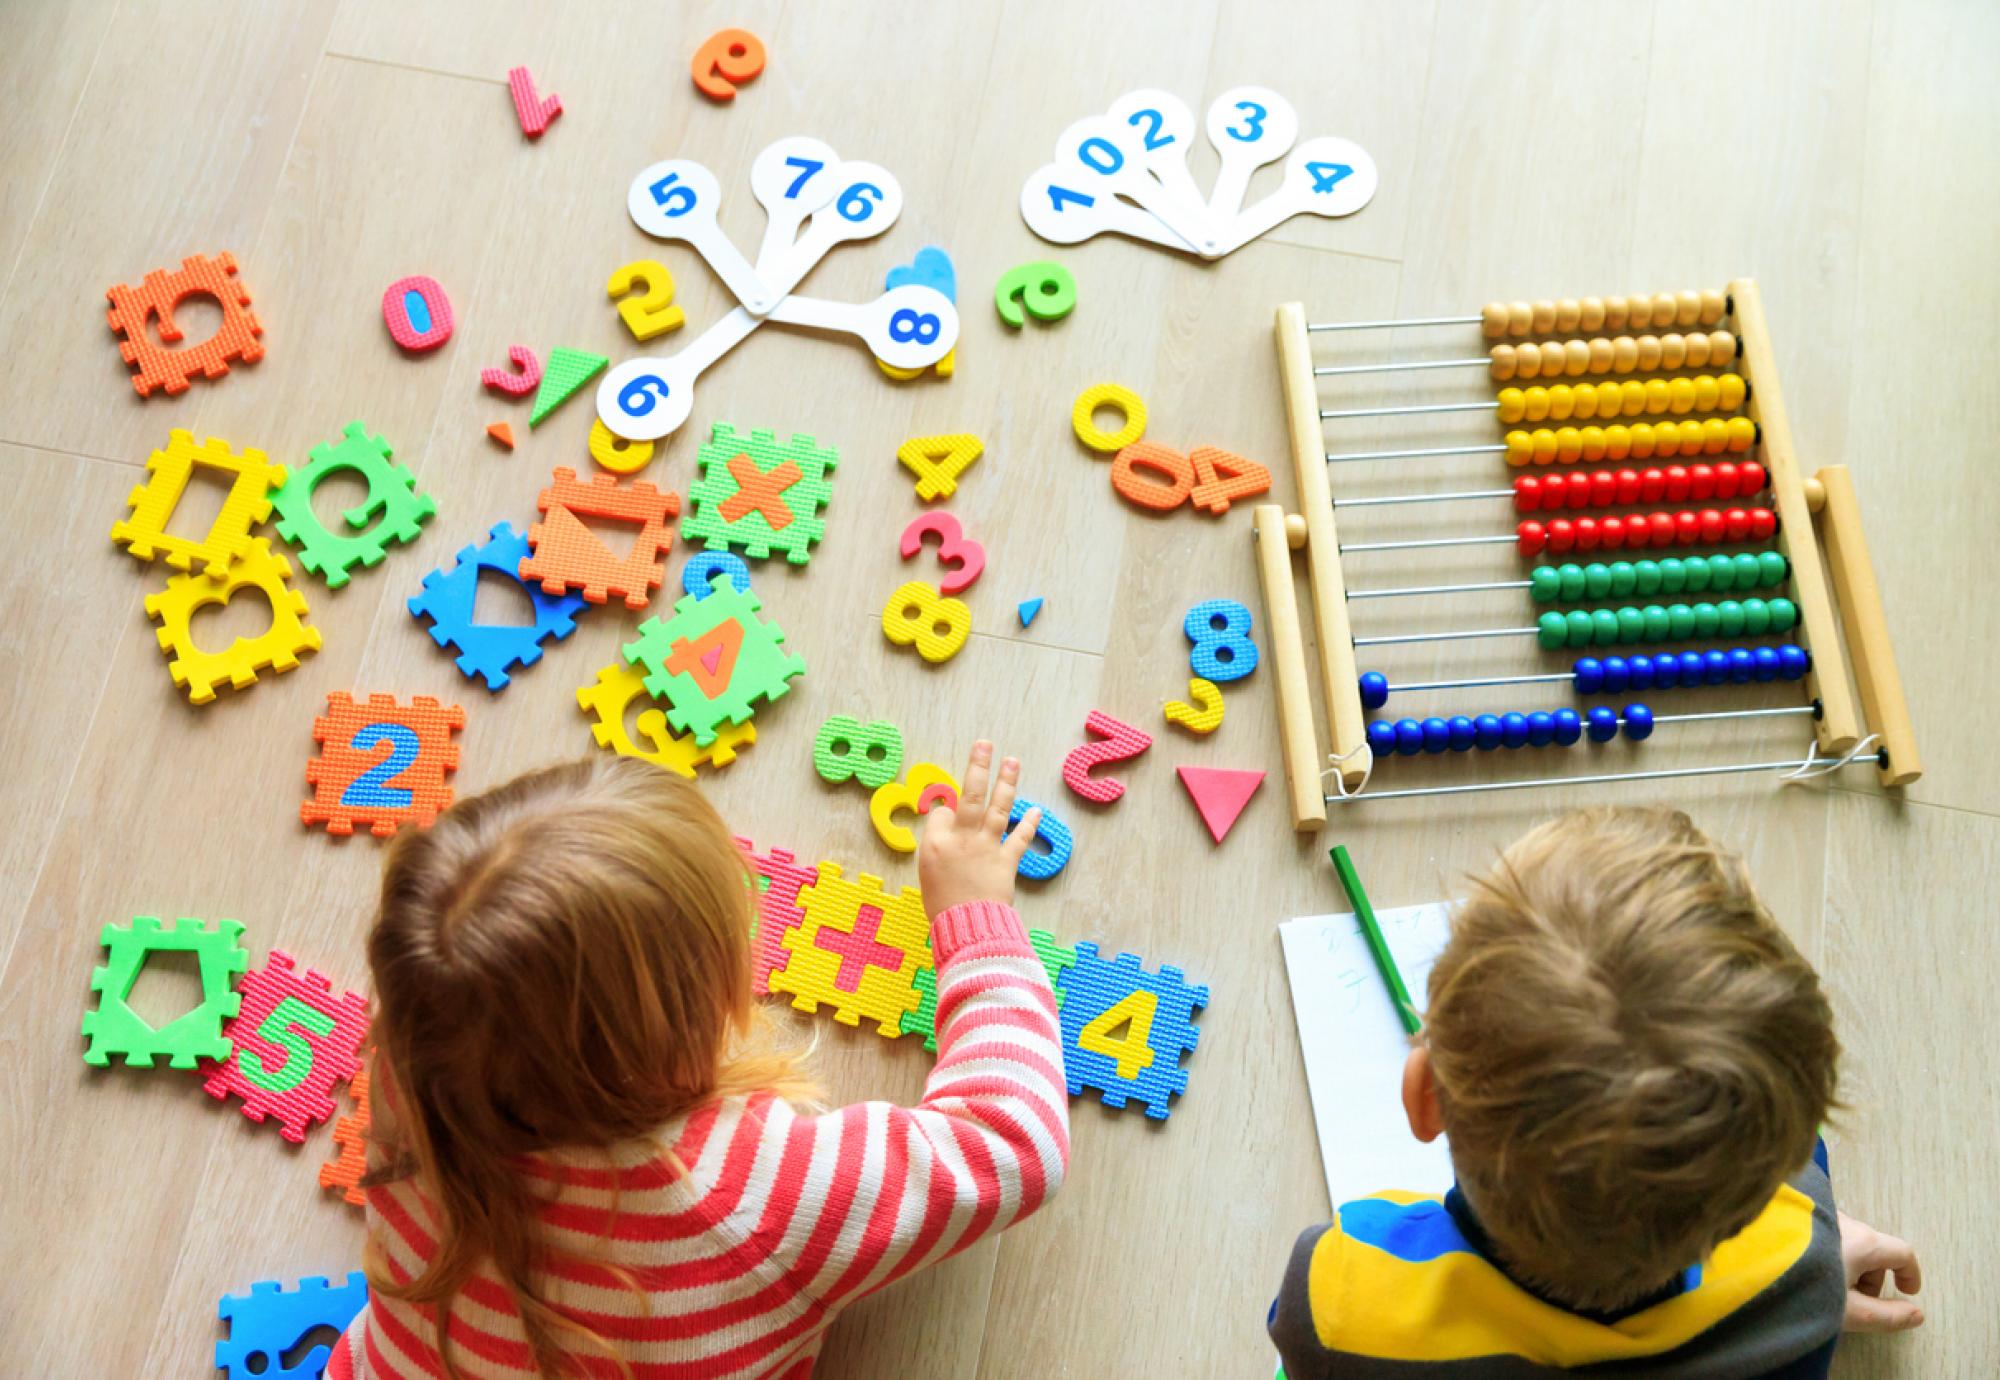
pixel 1655 483
pixel 1689 527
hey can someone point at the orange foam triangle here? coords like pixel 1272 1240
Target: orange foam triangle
pixel 502 433
pixel 1220 795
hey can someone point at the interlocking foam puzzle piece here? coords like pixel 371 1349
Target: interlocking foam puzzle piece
pixel 278 647
pixel 1083 417
pixel 758 495
pixel 534 111
pixel 526 373
pixel 713 660
pixel 292 1043
pixel 392 498
pixel 568 554
pixel 779 880
pixel 489 650
pixel 156 366
pixel 1203 720
pixel 928 784
pixel 115 1028
pixel 270 1320
pixel 1161 1020
pixel 1121 742
pixel 567 371
pixel 858 950
pixel 844 750
pixel 923 1021
pixel 353 785
pixel 938 461
pixel 617 686
pixel 1028 609
pixel 420 324
pixel 1220 795
pixel 502 433
pixel 145 533
pixel 1038 866
pixel 350 1138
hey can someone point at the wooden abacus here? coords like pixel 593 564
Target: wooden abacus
pixel 1734 408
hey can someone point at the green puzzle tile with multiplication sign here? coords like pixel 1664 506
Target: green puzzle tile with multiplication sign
pixel 759 496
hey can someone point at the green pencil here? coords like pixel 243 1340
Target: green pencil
pixel 1377 945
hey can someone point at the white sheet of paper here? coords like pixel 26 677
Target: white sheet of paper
pixel 1354 1047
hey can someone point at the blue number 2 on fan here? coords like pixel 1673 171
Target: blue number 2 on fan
pixel 372 787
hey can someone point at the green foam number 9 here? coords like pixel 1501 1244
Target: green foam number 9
pixel 1046 290
pixel 282 1028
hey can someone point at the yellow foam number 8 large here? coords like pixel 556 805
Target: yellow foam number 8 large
pixel 1133 1050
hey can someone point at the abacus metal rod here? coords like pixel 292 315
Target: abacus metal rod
pixel 1336 459
pixel 1387 325
pixel 1872 759
pixel 1439 589
pixel 1432 541
pixel 1454 496
pixel 1399 638
pixel 1480 682
pixel 1812 709
pixel 1393 366
pixel 1330 413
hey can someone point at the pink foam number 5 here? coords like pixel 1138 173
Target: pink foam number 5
pixel 508 381
pixel 535 111
pixel 963 558
pixel 1121 742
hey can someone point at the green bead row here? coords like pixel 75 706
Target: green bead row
pixel 1665 623
pixel 1674 575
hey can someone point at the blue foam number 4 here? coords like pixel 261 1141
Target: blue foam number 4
pixel 1326 175
pixel 664 192
pixel 372 787
pixel 807 167
pixel 1154 139
pixel 1254 116
pixel 281 1028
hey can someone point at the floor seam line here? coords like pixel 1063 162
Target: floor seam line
pixel 413 67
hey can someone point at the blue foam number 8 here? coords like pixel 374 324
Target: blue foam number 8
pixel 1035 865
pixel 640 390
pixel 1220 631
pixel 920 326
pixel 372 787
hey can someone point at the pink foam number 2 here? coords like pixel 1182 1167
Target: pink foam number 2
pixel 522 378
pixel 1120 742
pixel 417 313
pixel 535 111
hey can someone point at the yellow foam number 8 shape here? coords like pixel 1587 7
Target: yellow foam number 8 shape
pixel 1133 1050
pixel 615 453
pixel 1083 417
pixel 919 613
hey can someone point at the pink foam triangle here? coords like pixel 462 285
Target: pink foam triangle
pixel 712 658
pixel 1220 795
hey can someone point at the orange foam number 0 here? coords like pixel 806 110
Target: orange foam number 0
pixel 1156 459
pixel 962 558
pixel 921 614
pixel 1220 476
pixel 727 59
pixel 652 313
pixel 1133 1050
pixel 710 660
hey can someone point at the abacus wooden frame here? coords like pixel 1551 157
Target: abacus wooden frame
pixel 1854 632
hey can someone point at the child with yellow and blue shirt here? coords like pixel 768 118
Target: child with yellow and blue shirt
pixel 1632 1063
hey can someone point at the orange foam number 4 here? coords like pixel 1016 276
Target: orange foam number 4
pixel 1221 476
pixel 710 660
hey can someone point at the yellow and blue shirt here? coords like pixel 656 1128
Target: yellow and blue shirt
pixel 1405 1287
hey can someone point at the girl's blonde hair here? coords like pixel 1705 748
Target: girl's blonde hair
pixel 559 962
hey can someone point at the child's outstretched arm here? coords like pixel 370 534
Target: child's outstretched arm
pixel 989 1142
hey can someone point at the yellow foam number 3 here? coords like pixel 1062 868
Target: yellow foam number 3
pixel 1133 1050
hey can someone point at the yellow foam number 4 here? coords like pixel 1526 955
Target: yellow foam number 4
pixel 1133 1050
pixel 938 461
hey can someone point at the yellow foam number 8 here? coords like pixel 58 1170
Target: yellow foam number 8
pixel 1133 1050
pixel 920 613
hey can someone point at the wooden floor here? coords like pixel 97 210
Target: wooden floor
pixel 1842 153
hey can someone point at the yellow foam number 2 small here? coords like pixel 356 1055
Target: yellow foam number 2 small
pixel 920 613
pixel 1133 1050
pixel 652 314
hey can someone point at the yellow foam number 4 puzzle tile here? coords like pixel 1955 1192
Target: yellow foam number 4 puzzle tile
pixel 858 950
pixel 253 477
pixel 278 647
pixel 617 686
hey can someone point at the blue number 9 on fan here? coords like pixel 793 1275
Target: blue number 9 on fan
pixel 636 398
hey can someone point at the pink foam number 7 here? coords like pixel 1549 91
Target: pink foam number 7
pixel 1120 742
pixel 535 111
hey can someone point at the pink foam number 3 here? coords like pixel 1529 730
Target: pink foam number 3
pixel 535 111
pixel 417 313
pixel 528 365
pixel 1120 742
pixel 962 558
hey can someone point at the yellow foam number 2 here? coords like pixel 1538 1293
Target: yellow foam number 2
pixel 1133 1050
pixel 652 314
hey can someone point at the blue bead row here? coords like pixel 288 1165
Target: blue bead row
pixel 1462 733
pixel 1613 675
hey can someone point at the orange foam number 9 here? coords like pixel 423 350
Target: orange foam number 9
pixel 732 56
pixel 1133 1050
pixel 653 313
pixel 919 613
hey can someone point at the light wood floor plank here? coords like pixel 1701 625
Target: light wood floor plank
pixel 47 49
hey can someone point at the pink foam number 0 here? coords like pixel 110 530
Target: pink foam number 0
pixel 417 313
pixel 534 111
pixel 1119 742
pixel 526 373
pixel 963 559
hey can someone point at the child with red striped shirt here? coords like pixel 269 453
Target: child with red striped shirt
pixel 588 1156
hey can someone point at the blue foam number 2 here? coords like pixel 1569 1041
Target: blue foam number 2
pixel 1035 865
pixel 372 787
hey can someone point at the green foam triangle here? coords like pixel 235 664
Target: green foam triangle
pixel 567 371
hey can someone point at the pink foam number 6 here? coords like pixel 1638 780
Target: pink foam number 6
pixel 1120 742
pixel 417 312
pixel 963 558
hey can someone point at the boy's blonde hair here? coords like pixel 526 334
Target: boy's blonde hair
pixel 560 962
pixel 1630 1056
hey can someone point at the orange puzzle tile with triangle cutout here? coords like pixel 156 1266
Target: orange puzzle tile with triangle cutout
pixel 567 555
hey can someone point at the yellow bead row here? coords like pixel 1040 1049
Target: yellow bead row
pixel 1631 398
pixel 1640 441
pixel 1612 355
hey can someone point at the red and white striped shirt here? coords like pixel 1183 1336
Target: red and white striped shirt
pixel 781 1219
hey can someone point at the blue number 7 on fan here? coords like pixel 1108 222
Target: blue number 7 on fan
pixel 807 167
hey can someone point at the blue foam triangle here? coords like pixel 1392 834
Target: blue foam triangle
pixel 1029 608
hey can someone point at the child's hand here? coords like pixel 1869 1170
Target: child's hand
pixel 1871 1258
pixel 966 853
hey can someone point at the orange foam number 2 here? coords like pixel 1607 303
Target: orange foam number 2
pixel 710 660
pixel 728 59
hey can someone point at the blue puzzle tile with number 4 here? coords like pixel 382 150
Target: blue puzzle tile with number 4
pixel 1124 1029
pixel 269 1321
pixel 492 649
